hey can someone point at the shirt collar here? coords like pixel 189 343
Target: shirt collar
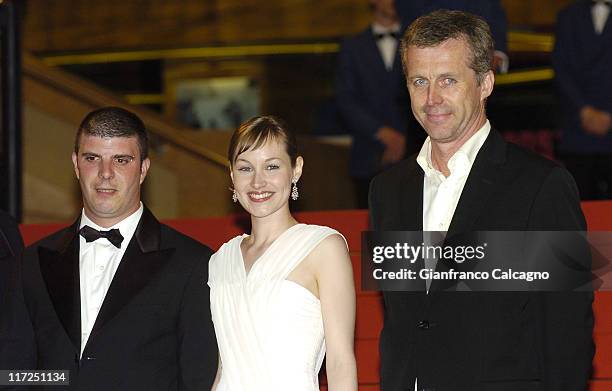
pixel 127 226
pixel 462 159
pixel 380 29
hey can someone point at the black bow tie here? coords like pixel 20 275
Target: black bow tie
pixel 392 34
pixel 91 234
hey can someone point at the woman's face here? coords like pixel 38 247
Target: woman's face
pixel 262 178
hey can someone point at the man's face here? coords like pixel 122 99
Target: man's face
pixel 110 173
pixel 445 95
pixel 384 7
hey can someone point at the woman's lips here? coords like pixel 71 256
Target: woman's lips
pixel 260 196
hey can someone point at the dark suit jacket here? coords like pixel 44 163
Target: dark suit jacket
pixel 154 329
pixel 582 60
pixel 16 337
pixel 476 340
pixel 368 97
pixel 490 10
pixel 11 248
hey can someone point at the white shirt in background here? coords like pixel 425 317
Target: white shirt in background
pixel 600 13
pixel 387 45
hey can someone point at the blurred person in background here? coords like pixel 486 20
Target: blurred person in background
pixel 490 10
pixel 372 99
pixel 582 60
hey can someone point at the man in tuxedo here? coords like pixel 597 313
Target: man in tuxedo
pixel 582 59
pixel 467 178
pixel 371 98
pixel 16 337
pixel 117 298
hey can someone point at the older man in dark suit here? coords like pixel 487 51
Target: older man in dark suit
pixel 117 298
pixel 467 178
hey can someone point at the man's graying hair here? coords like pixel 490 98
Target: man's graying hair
pixel 439 26
pixel 109 122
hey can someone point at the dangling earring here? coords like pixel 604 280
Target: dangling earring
pixel 234 196
pixel 294 191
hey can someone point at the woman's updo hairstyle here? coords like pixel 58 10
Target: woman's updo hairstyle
pixel 258 130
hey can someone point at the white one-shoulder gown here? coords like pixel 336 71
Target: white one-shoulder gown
pixel 269 329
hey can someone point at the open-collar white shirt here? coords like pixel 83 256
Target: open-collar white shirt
pixel 98 262
pixel 441 194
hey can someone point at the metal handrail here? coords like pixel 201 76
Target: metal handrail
pixel 517 41
pixel 94 96
pixel 525 76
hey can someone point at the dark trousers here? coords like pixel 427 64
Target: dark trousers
pixel 592 173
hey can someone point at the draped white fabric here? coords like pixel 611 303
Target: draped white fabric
pixel 269 329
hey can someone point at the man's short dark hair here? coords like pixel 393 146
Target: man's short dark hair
pixel 439 26
pixel 114 122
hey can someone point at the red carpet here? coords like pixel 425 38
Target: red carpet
pixel 217 230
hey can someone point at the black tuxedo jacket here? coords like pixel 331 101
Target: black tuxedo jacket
pixel 16 338
pixel 154 329
pixel 476 340
pixel 11 248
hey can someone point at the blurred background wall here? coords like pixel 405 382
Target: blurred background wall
pixel 195 69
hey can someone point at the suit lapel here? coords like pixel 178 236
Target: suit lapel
pixel 479 186
pixel 411 208
pixel 5 248
pixel 375 57
pixel 397 70
pixel 411 212
pixel 142 260
pixel 59 267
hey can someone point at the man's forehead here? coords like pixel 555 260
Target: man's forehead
pixel 446 57
pixel 127 144
pixel 450 44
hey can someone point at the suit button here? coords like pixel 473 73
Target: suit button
pixel 90 358
pixel 423 325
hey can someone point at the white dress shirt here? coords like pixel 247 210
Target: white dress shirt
pixel 387 45
pixel 441 194
pixel 600 13
pixel 98 262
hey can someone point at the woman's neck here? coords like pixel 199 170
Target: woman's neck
pixel 266 230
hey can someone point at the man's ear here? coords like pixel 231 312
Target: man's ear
pixel 144 169
pixel 486 85
pixel 75 163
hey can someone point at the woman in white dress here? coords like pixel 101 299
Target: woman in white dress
pixel 283 295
